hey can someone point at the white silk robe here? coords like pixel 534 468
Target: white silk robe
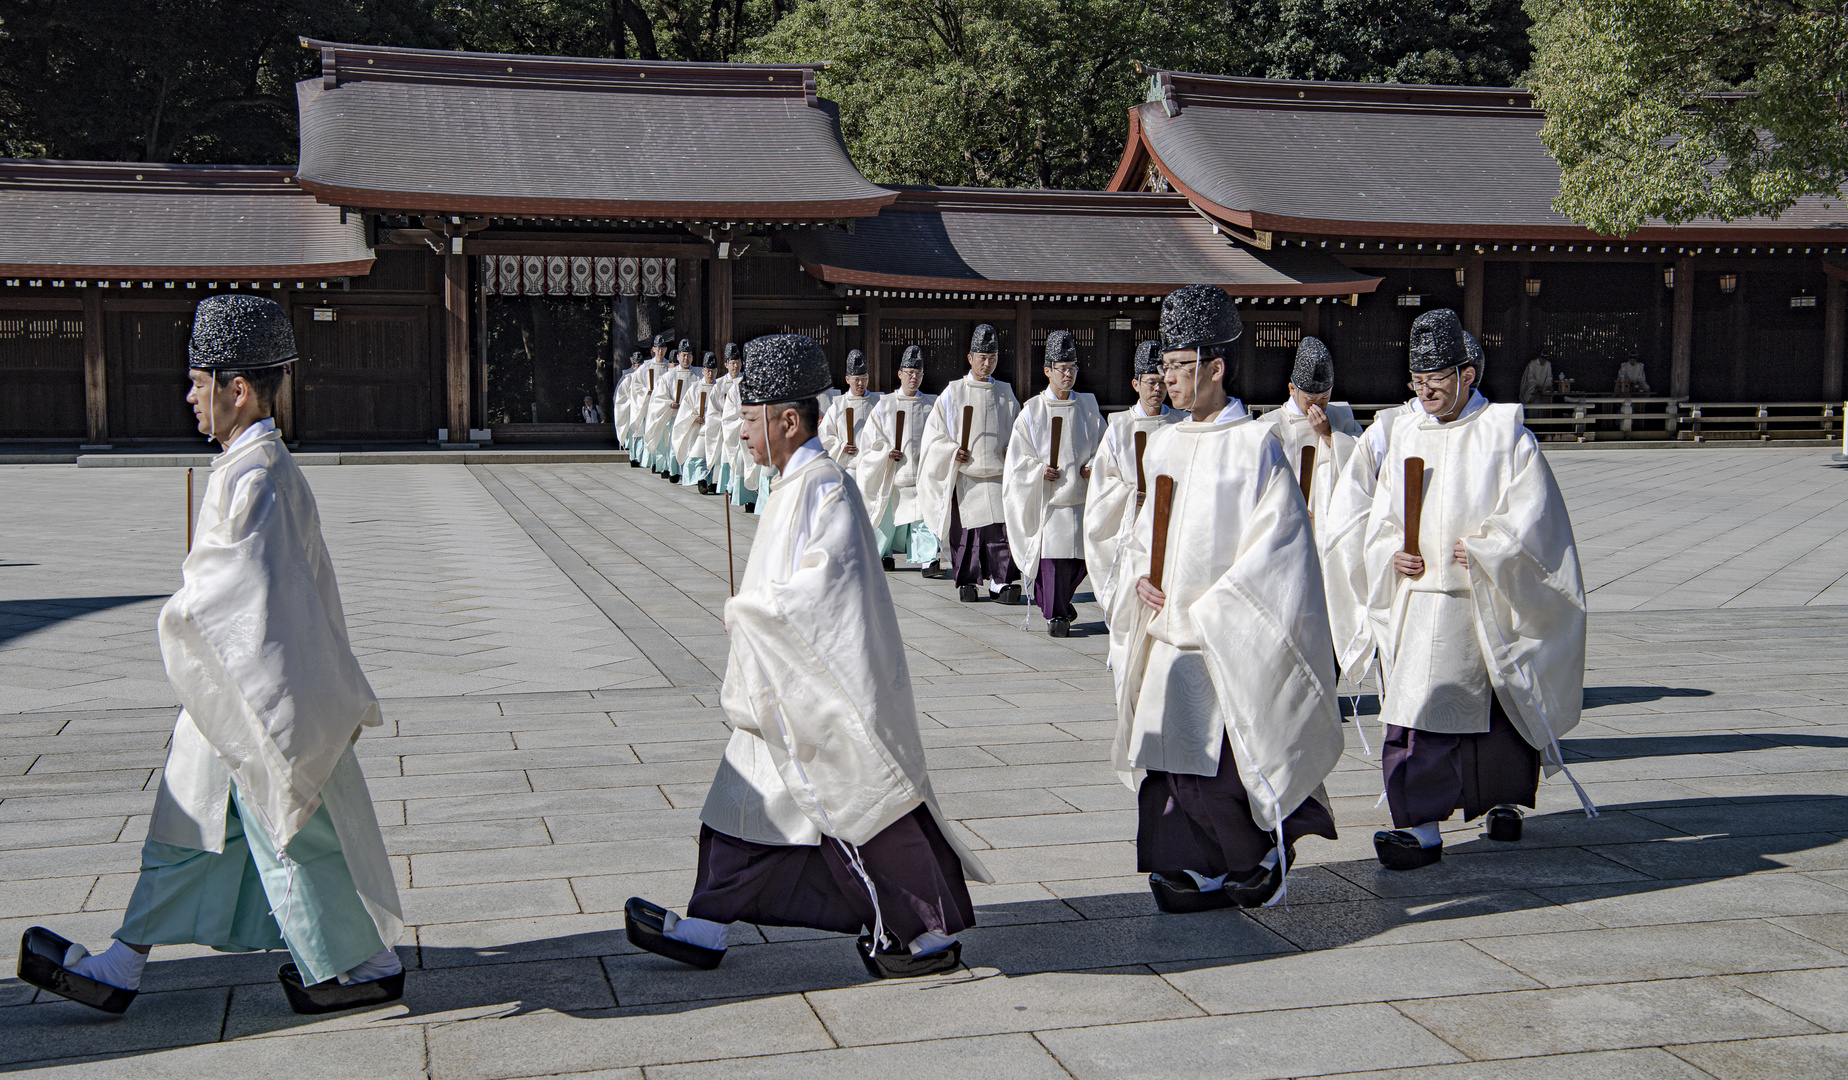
pixel 633 403
pixel 746 474
pixel 891 487
pixel 1512 622
pixel 1240 650
pixel 975 486
pixel 690 421
pixel 1293 431
pixel 1110 500
pixel 664 408
pixel 1045 519
pixel 825 731
pixel 833 429
pixel 714 435
pixel 1341 530
pixel 255 645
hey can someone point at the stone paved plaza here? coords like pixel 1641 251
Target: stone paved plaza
pixel 548 645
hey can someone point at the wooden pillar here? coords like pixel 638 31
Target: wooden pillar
pixel 95 371
pixel 689 304
pixel 1023 349
pixel 455 344
pixel 1472 296
pixel 285 395
pixel 719 305
pixel 883 366
pixel 1741 343
pixel 1832 326
pixel 1521 353
pixel 1681 364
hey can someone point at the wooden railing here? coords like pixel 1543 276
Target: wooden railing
pixel 1612 419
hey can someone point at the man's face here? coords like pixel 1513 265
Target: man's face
pixel 660 352
pixel 982 365
pixel 856 385
pixel 911 378
pixel 1150 390
pixel 1061 377
pixel 686 359
pixel 732 367
pixel 215 410
pixel 712 374
pixel 1442 393
pixel 1304 401
pixel 753 433
pixel 1185 373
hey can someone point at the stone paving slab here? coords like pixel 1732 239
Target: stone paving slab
pixel 547 642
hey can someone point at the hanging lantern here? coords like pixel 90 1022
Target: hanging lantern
pixel 1729 282
pixel 1533 286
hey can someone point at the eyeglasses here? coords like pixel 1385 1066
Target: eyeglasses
pixel 1065 369
pixel 1174 367
pixel 1421 382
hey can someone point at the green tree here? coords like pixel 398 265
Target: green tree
pixel 1470 42
pixel 1678 109
pixel 175 80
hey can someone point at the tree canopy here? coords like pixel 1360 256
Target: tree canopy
pixel 986 92
pixel 1678 109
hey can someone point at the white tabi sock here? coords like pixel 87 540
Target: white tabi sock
pixel 119 966
pixel 377 966
pixel 993 589
pixel 1207 884
pixel 1270 861
pixel 1428 834
pixel 930 942
pixel 702 932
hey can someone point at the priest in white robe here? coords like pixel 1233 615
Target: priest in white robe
pixel 845 419
pixel 821 815
pixel 744 483
pixel 262 834
pixel 619 399
pixel 642 386
pixel 1226 718
pixel 1118 485
pixel 887 471
pixel 1481 633
pixel 664 408
pixel 724 388
pixel 960 476
pixel 1044 503
pixel 690 425
pixel 1536 379
pixel 1309 419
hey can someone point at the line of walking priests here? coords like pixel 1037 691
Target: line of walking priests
pixel 1244 567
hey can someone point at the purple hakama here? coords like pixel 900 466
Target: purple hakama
pixel 1203 823
pixel 1055 584
pixel 978 555
pixel 1430 775
pixel 917 873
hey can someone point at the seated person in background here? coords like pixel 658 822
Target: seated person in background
pixel 1536 379
pixel 1632 379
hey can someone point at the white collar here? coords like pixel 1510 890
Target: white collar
pixel 1160 410
pixel 902 392
pixel 803 454
pixel 1290 406
pixel 983 383
pixel 1474 405
pixel 251 433
pixel 1057 400
pixel 1234 410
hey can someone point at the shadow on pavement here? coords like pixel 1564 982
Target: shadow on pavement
pixel 1633 858
pixel 21 617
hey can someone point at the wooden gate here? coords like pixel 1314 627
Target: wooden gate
pixel 148 382
pixel 364 375
pixel 41 375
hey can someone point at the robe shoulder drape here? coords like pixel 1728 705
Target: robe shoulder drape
pixel 1046 519
pixel 1341 530
pixel 825 739
pixel 976 486
pixel 663 408
pixel 255 645
pixel 892 486
pixel 1521 596
pixel 1244 589
pixel 833 427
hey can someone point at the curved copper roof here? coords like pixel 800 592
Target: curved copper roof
pixel 485 133
pixel 1037 241
pixel 1378 159
pixel 107 220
